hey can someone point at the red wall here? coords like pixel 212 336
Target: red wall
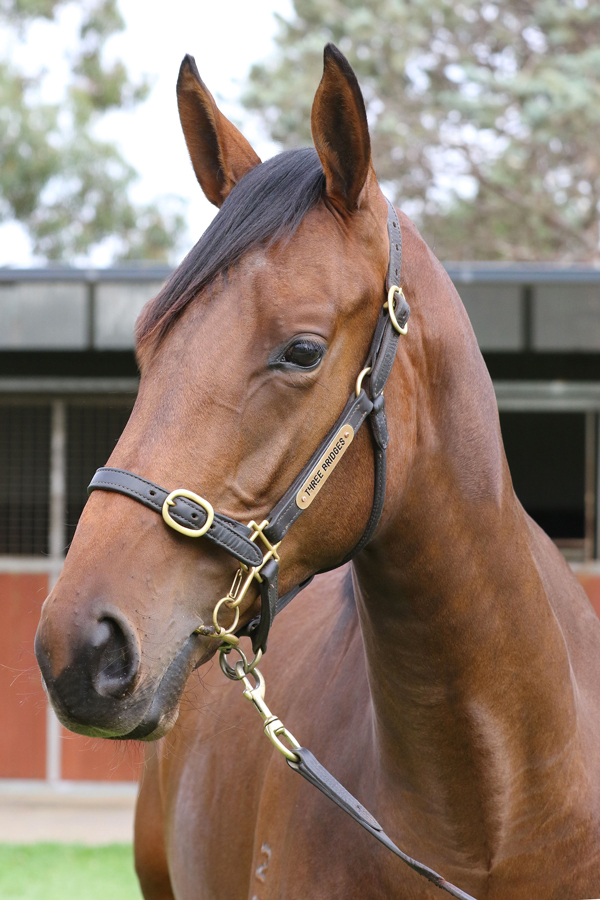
pixel 93 759
pixel 22 698
pixel 589 579
pixel 23 701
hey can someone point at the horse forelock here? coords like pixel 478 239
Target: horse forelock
pixel 266 206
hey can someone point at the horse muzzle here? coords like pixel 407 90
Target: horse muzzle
pixel 102 691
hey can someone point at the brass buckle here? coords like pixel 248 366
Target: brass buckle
pixel 389 305
pixel 190 532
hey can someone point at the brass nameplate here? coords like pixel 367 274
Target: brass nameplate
pixel 323 469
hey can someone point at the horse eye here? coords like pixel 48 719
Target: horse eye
pixel 304 353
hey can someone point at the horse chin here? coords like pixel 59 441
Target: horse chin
pixel 148 718
pixel 149 730
pixel 163 710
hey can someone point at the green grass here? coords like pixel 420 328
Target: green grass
pixel 67 872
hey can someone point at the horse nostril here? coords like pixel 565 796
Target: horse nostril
pixel 116 659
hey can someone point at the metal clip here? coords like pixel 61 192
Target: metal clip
pixel 255 693
pixel 274 727
pixel 228 670
pixel 242 580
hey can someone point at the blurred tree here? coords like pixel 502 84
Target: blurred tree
pixel 66 186
pixel 485 116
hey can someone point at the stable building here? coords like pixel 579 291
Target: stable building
pixel 68 381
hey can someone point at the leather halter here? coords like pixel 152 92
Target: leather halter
pixel 192 515
pixel 195 517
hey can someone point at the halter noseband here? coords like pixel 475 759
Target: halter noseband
pixel 194 516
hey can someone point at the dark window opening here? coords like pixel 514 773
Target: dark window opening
pixel 24 479
pixel 546 455
pixel 92 432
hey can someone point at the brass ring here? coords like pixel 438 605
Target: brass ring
pixel 232 671
pixel 190 532
pixel 221 631
pixel 226 668
pixel 395 289
pixel 359 380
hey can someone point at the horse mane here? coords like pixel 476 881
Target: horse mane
pixel 267 205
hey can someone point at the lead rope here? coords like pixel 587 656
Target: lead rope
pixel 298 758
pixel 302 761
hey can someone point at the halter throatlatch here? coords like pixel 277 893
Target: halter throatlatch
pixel 256 547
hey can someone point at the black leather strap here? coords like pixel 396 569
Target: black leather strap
pixel 225 532
pixel 395 240
pixel 287 510
pixel 380 463
pixel 258 630
pixel 282 602
pixel 312 770
pixel 402 308
pixel 381 359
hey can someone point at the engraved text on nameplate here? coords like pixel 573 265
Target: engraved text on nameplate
pixel 323 469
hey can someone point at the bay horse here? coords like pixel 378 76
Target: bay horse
pixel 449 675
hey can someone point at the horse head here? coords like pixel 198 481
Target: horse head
pixel 247 357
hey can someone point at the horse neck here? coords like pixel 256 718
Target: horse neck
pixel 463 650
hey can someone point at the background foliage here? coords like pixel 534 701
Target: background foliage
pixel 485 116
pixel 68 187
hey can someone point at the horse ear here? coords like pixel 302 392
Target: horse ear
pixel 220 154
pixel 340 130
